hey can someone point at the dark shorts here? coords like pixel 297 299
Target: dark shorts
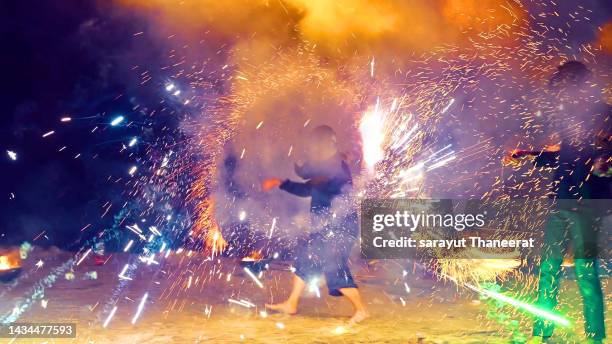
pixel 326 252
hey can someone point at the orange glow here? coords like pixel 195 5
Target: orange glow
pixel 481 15
pixel 604 38
pixel 207 228
pixel 214 240
pixel 254 256
pixel 552 148
pixel 338 28
pixel 10 260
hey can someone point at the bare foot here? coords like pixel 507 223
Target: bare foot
pixel 358 317
pixel 284 307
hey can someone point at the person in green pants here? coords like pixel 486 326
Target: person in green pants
pixel 581 157
pixel 577 225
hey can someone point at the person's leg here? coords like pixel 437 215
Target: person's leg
pixel 592 298
pixel 290 305
pixel 548 289
pixel 355 297
pixel 340 283
pixel 337 272
pixel 584 237
pixel 307 264
pixel 550 269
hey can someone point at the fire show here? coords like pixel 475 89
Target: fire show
pixel 306 171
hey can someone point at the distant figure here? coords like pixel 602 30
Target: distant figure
pixel 326 250
pixel 581 159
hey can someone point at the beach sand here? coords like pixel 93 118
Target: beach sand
pixel 187 302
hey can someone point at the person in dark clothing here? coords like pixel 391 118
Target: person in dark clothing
pixel 581 159
pixel 326 250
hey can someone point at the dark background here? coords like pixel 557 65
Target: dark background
pixel 68 58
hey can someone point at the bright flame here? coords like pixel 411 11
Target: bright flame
pixel 372 136
pixel 9 261
pixel 206 226
pixel 4 264
pixel 214 240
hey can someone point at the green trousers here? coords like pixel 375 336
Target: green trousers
pixel 578 230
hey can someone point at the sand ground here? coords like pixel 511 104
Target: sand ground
pixel 180 309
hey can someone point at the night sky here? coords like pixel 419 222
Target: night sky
pixel 64 58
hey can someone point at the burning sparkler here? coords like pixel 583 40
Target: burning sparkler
pixel 372 134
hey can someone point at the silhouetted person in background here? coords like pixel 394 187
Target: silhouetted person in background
pixel 581 159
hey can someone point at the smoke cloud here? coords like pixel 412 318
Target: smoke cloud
pixel 287 66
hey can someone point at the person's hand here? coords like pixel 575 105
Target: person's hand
pixel 602 168
pixel 270 183
pixel 513 158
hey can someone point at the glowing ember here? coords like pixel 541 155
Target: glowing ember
pixel 255 256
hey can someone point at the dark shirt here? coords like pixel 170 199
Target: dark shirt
pixel 324 181
pixel 573 178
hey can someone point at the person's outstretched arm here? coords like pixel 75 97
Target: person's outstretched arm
pixel 547 158
pixel 297 188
